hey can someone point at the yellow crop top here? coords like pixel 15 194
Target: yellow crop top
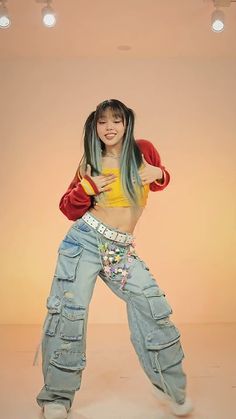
pixel 116 197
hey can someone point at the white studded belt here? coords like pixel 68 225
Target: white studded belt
pixel 111 234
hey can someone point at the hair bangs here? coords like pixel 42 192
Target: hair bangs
pixel 116 107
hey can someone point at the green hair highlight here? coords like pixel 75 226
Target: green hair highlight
pixel 131 157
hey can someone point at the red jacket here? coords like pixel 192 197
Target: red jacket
pixel 76 201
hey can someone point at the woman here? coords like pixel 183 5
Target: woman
pixel 105 200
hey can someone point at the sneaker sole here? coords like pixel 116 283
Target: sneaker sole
pixel 177 409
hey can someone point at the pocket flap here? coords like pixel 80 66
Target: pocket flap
pixel 53 304
pixel 72 312
pixel 162 337
pixel 68 360
pixel 153 292
pixel 69 249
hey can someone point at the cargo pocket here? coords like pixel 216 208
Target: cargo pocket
pixel 53 316
pixel 72 322
pixel 158 303
pixel 64 370
pixel 69 254
pixel 164 346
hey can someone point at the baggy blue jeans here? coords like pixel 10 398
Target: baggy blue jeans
pixel 83 255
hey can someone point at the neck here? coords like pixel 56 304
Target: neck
pixel 112 152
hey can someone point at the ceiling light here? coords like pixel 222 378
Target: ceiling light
pixel 5 20
pixel 218 17
pixel 48 14
pixel 217 21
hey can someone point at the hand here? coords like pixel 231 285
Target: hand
pixel 101 181
pixel 149 173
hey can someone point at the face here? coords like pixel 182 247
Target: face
pixel 110 128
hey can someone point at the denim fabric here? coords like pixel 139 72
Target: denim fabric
pixel 155 338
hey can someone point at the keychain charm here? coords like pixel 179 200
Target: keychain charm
pixel 112 257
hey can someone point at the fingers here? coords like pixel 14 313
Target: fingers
pixel 105 180
pixel 142 173
pixel 110 175
pixel 142 176
pixel 144 179
pixel 106 189
pixel 109 178
pixel 88 170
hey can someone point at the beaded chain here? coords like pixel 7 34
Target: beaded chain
pixel 116 260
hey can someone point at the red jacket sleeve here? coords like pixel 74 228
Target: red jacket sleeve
pixel 152 156
pixel 77 199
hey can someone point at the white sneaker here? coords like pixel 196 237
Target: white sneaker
pixel 54 411
pixel 176 408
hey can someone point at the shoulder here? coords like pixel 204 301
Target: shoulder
pixel 149 151
pixel 144 145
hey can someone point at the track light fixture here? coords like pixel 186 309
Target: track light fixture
pixel 48 14
pixel 218 16
pixel 5 20
pixel 217 20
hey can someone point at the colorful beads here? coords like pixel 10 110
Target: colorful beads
pixel 112 258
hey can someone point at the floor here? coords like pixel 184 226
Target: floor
pixel 114 385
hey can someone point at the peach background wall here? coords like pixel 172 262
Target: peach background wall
pixel 186 107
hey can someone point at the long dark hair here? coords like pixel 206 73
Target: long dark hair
pixel 131 158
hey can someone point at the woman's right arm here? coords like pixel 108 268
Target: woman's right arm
pixel 77 199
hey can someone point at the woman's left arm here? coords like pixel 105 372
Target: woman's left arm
pixel 153 172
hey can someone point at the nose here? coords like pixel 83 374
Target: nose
pixel 109 125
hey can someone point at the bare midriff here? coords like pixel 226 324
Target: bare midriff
pixel 121 218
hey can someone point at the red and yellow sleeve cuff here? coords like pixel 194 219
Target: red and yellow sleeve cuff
pixel 89 186
pixel 163 180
